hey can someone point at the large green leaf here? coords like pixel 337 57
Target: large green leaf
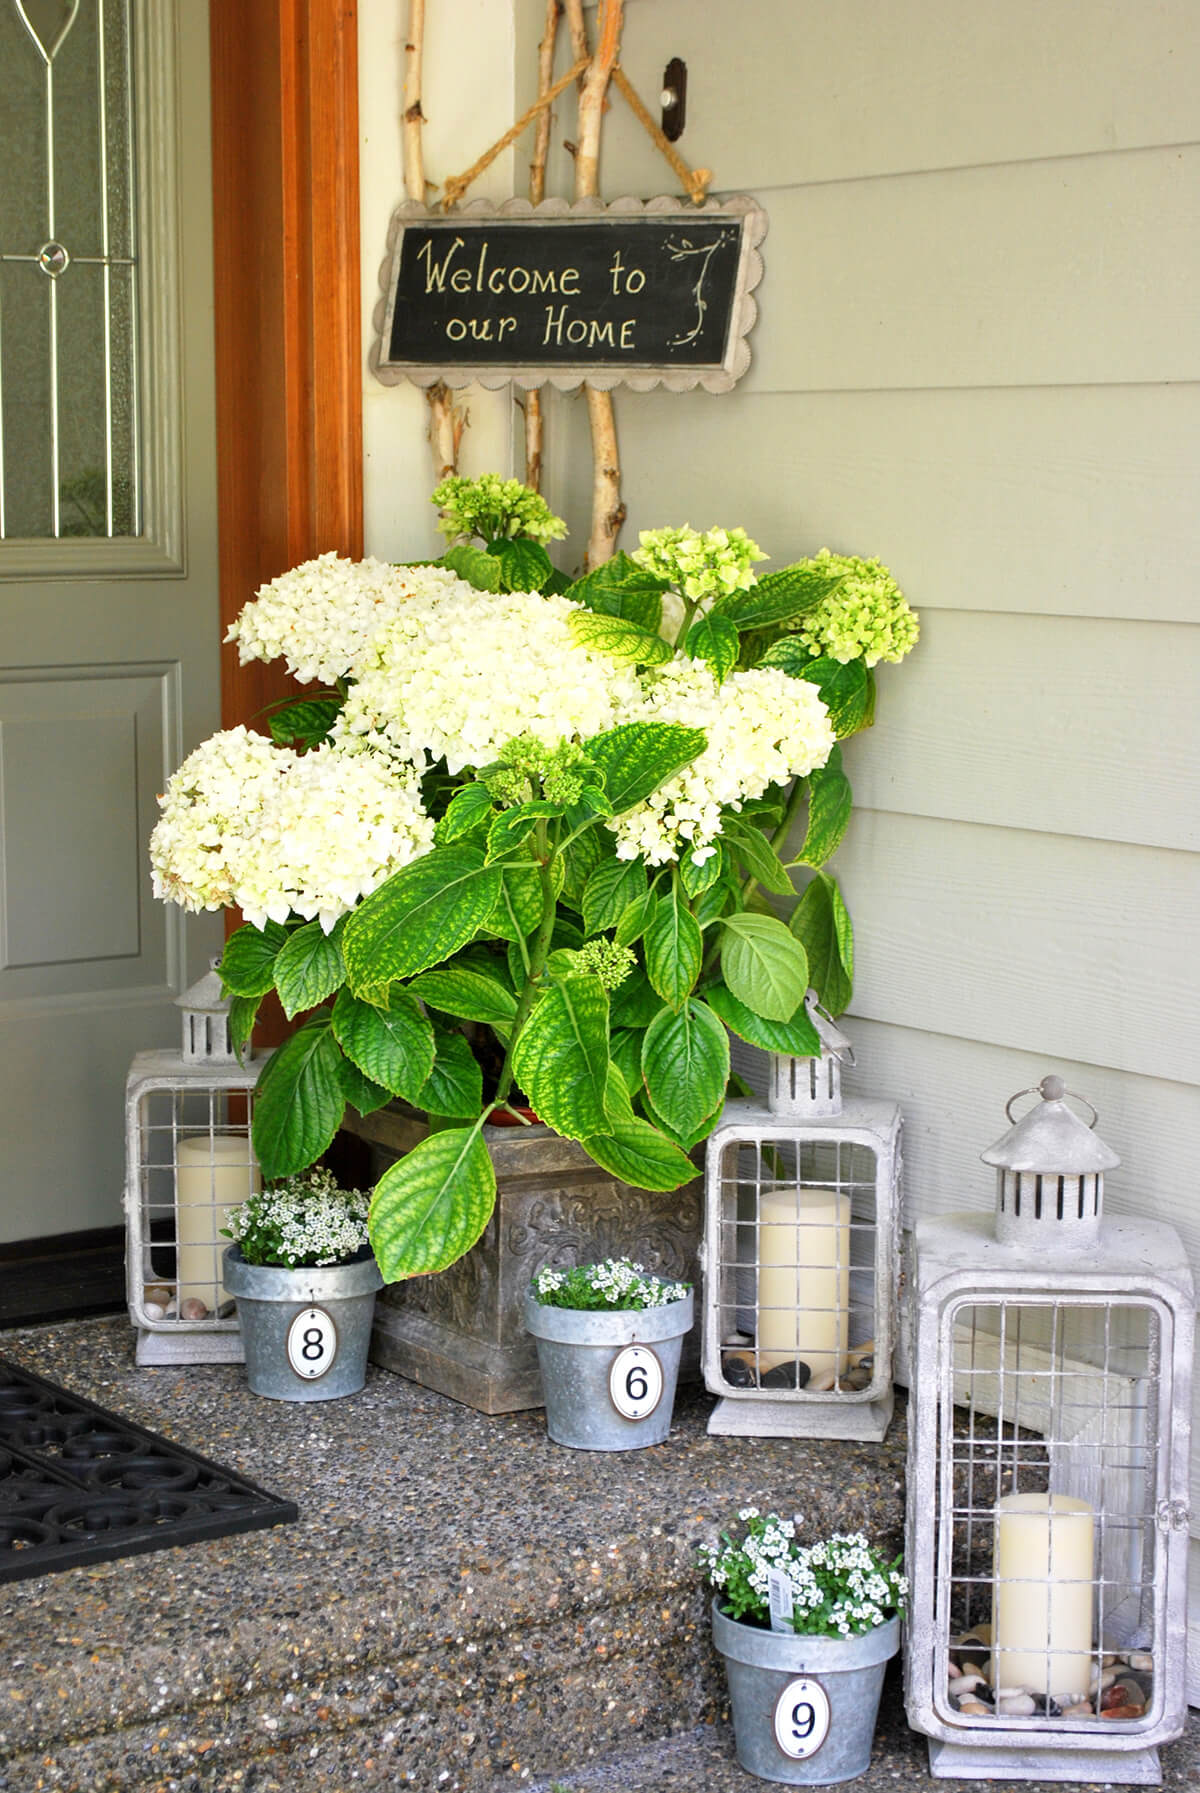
pixel 684 1140
pixel 619 587
pixel 619 638
pixel 359 1090
pixel 639 1154
pixel 469 808
pixel 243 1013
pixel 521 902
pixel 432 1205
pixel 797 1038
pixel 247 966
pixel 472 994
pixel 673 948
pixel 639 756
pixel 757 854
pixel 626 1049
pixel 764 965
pixel 713 901
pixel 635 1003
pixel 613 885
pixel 299 1103
pixel 579 861
pixel 561 1057
pixel 484 571
pixel 829 803
pixel 698 875
pixel 524 564
pixel 636 918
pixel 420 916
pixel 455 1085
pixel 822 925
pixel 309 967
pixel 305 723
pixel 714 639
pixel 393 1045
pixel 779 597
pixel 685 1061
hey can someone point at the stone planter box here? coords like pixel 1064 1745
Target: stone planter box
pixel 462 1332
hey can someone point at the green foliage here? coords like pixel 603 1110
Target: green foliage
pixel 247 965
pixel 479 568
pixel 299 1103
pixel 821 924
pixel 764 965
pixel 829 802
pixel 714 639
pixel 309 967
pixel 304 724
pixel 674 948
pixel 622 639
pixel 421 916
pixel 561 1057
pixel 392 1045
pixel 778 598
pixel 619 587
pixel 432 1205
pixel 638 757
pixel 685 1062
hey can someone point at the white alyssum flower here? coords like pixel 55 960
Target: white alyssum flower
pixel 762 727
pixel 320 616
pixel 280 833
pixel 614 1283
pixel 458 672
pixel 305 1221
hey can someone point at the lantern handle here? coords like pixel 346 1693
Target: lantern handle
pixel 1050 1089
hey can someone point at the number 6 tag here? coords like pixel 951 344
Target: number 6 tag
pixel 801 1718
pixel 635 1382
pixel 312 1343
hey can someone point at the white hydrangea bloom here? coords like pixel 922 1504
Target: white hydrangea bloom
pixel 275 832
pixel 458 672
pixel 320 616
pixel 762 727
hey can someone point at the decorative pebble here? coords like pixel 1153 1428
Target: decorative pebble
pixel 154 1310
pixel 192 1308
pixel 736 1341
pixel 861 1354
pixel 172 1308
pixel 859 1377
pixel 1047 1705
pixel 1122 1712
pixel 822 1383
pixel 1016 1705
pixel 976 1707
pixel 1102 1680
pixel 1140 1659
pixel 738 1369
pixel 963 1684
pixel 786 1375
pixel 1081 1709
pixel 225 1311
pixel 158 1293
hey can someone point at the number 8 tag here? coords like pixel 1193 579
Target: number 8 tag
pixel 801 1718
pixel 635 1382
pixel 312 1343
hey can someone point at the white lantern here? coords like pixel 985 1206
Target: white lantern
pixel 1048 1472
pixel 188 1160
pixel 799 1255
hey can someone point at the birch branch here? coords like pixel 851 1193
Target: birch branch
pixel 608 512
pixel 534 420
pixel 446 423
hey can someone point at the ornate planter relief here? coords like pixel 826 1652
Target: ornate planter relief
pixel 463 1332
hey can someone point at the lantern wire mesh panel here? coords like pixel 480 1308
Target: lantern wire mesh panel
pixel 188 1161
pixel 800 1254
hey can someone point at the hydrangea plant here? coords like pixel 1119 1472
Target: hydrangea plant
pixel 586 821
pixel 301 1223
pixel 617 1285
pixel 840 1587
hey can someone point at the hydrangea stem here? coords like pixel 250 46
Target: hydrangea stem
pixel 539 952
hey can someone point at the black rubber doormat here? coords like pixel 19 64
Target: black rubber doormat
pixel 79 1485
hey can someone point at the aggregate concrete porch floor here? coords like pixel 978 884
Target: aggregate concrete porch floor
pixel 462 1605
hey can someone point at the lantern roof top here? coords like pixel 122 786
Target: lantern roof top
pixel 1051 1137
pixel 207 994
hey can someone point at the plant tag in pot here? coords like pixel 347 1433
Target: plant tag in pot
pixel 779 1594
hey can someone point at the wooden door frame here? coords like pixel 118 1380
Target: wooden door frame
pixel 287 303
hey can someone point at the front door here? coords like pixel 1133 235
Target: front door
pixel 108 568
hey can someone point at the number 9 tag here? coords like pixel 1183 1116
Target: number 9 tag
pixel 312 1343
pixel 635 1382
pixel 801 1718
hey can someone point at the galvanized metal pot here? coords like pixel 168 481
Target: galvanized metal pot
pixel 804 1708
pixel 305 1332
pixel 608 1378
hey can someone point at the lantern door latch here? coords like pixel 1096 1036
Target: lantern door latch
pixel 1173 1516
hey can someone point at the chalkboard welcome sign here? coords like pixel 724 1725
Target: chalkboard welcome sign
pixel 634 293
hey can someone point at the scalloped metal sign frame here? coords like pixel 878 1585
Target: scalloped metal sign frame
pixel 636 293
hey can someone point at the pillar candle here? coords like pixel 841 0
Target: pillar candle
pixel 213 1173
pixel 804 1278
pixel 1044 1601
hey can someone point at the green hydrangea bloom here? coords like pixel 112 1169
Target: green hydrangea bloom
pixel 701 567
pixel 866 618
pixel 494 508
pixel 606 960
